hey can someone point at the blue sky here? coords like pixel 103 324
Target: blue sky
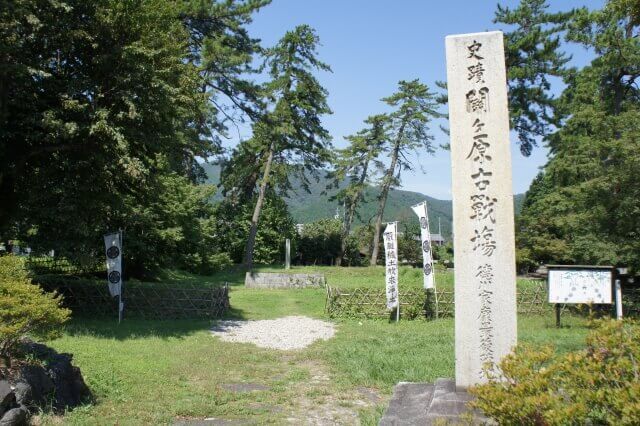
pixel 372 44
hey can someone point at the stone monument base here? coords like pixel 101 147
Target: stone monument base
pixel 283 280
pixel 430 404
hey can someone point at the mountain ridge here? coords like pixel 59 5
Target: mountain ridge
pixel 309 207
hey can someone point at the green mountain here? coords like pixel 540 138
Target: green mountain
pixel 309 207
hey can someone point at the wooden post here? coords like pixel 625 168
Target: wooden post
pixel 558 309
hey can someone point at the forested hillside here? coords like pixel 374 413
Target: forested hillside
pixel 308 207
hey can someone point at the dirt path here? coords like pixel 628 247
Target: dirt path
pixel 319 402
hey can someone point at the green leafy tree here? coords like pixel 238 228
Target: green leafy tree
pixel 413 107
pixel 108 104
pixel 223 51
pixel 320 242
pixel 533 55
pixel 289 134
pixel 409 246
pixel 232 221
pixel 355 165
pixel 584 207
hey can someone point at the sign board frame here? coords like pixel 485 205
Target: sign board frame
pixel 582 268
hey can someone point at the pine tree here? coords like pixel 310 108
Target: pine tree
pixel 355 165
pixel 586 206
pixel 289 134
pixel 533 55
pixel 414 106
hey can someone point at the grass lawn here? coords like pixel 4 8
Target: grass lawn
pixel 158 372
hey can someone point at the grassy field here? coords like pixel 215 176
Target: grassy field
pixel 160 372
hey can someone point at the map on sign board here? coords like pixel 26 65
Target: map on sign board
pixel 579 286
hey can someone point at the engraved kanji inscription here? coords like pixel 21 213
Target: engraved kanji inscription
pixel 478 100
pixel 484 241
pixel 483 207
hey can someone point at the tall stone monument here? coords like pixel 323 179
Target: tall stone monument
pixel 483 223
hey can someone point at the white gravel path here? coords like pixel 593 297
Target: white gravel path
pixel 294 332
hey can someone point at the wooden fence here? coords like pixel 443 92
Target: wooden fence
pixel 371 303
pixel 142 300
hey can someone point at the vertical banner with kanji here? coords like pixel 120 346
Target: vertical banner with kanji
pixel 391 262
pixel 425 239
pixel 113 250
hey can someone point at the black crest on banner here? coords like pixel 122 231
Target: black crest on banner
pixel 425 246
pixel 423 222
pixel 427 269
pixel 113 252
pixel 114 277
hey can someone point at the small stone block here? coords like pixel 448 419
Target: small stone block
pixel 408 404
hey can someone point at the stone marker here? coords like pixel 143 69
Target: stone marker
pixel 485 276
pixel 282 280
pixel 287 254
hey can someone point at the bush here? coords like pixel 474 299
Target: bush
pixel 231 223
pixel 319 242
pixel 24 308
pixel 524 261
pixel 597 385
pixel 216 263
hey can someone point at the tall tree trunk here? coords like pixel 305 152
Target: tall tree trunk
pixel 253 231
pixel 348 220
pixel 383 199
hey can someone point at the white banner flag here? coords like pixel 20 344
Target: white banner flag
pixel 425 239
pixel 391 257
pixel 113 250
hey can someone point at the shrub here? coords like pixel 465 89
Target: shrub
pixel 216 263
pixel 24 308
pixel 597 385
pixel 319 242
pixel 524 261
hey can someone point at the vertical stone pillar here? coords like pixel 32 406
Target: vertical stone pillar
pixel 287 255
pixel 483 222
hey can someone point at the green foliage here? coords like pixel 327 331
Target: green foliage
pixel 409 246
pixel 596 385
pixel 524 261
pixel 413 107
pixel 532 56
pixel 172 229
pixel 25 310
pixel 231 222
pixel 585 206
pixel 104 107
pixel 353 165
pixel 288 135
pixel 443 254
pixel 319 242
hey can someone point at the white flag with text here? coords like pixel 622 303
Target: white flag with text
pixel 391 262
